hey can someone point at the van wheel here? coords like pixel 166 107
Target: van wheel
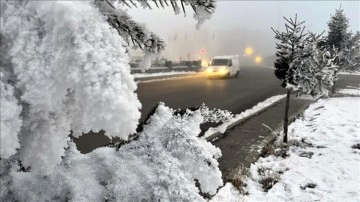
pixel 228 76
pixel 237 74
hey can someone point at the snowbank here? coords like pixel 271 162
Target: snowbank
pixel 243 115
pixel 350 90
pixel 349 73
pixel 149 75
pixel 323 163
pixel 332 169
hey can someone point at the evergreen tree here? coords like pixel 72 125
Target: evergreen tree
pixel 351 53
pixel 290 42
pixel 315 69
pixel 338 34
pixel 304 65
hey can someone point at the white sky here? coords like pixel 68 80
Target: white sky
pixel 253 16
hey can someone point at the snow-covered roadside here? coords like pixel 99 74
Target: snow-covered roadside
pixel 243 115
pixel 350 90
pixel 159 74
pixel 323 163
pixel 349 73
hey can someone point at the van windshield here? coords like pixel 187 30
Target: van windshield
pixel 219 62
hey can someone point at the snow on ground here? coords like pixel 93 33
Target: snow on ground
pixel 149 75
pixel 350 90
pixel 228 193
pixel 243 115
pixel 323 166
pixel 349 73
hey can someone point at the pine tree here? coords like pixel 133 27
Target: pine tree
pixel 315 69
pixel 351 53
pixel 304 65
pixel 290 42
pixel 338 34
pixel 338 37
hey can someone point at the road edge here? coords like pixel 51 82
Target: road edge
pixel 240 121
pixel 254 155
pixel 164 78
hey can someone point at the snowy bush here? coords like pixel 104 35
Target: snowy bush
pixel 160 166
pixel 72 73
pixel 351 54
pixel 10 120
pixel 64 69
pixel 315 70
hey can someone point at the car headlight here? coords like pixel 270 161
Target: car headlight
pixel 209 70
pixel 223 70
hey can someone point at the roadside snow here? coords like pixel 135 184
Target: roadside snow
pixel 258 107
pixel 227 193
pixel 324 165
pixel 349 73
pixel 149 75
pixel 350 90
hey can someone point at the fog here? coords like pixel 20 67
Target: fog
pixel 237 25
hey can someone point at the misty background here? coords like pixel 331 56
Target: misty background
pixel 237 25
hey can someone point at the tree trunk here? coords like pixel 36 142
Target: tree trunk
pixel 333 89
pixel 286 117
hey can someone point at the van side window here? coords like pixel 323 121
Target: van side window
pixel 230 63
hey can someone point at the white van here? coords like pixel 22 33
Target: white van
pixel 224 66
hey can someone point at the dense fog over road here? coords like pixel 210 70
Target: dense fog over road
pixel 239 24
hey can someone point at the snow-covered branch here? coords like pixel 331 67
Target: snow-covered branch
pixel 161 165
pixel 137 35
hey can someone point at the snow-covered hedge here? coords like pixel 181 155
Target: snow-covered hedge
pixel 161 165
pixel 73 74
pixel 64 69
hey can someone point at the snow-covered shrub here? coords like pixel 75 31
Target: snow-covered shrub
pixel 314 69
pixel 238 177
pixel 350 55
pixel 10 119
pixel 72 73
pixel 64 69
pixel 161 165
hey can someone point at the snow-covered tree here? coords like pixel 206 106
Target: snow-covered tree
pixel 64 69
pixel 338 33
pixel 291 42
pixel 315 69
pixel 304 65
pixel 339 36
pixel 351 53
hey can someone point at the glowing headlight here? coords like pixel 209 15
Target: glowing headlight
pixel 223 70
pixel 209 70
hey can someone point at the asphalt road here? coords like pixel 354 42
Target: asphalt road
pixel 255 84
